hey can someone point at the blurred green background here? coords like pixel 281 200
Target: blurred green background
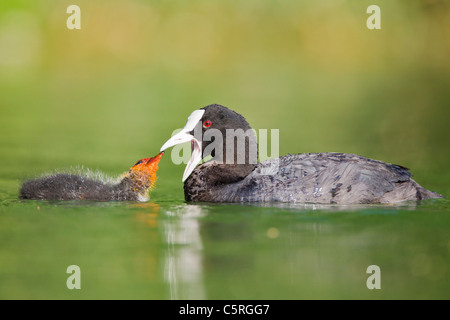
pixel 113 92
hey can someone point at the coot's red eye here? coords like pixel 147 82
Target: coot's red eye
pixel 207 124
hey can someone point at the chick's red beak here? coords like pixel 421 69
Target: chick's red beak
pixel 155 159
pixel 148 163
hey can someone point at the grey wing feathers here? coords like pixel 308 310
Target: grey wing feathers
pixel 327 178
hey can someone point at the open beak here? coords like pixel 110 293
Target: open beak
pixel 186 135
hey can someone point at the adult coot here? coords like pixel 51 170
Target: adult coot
pixel 313 177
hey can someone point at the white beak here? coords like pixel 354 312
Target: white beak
pixel 185 136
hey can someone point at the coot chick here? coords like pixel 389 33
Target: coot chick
pixel 134 185
pixel 305 178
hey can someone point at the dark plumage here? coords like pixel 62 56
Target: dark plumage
pixel 134 185
pixel 316 178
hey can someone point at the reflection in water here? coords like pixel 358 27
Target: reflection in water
pixel 294 251
pixel 183 267
pixel 149 214
pixel 408 205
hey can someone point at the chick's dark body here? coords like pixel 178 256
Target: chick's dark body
pixel 75 187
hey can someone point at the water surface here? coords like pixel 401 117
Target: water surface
pixel 170 249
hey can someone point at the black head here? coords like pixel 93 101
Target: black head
pixel 226 136
pixel 221 133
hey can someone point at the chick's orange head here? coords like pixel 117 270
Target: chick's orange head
pixel 147 166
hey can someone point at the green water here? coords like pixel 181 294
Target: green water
pixel 112 93
pixel 169 249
